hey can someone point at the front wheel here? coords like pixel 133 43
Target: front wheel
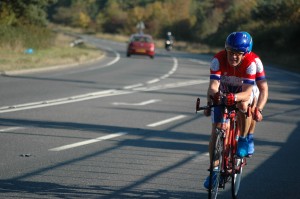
pixel 216 167
pixel 236 177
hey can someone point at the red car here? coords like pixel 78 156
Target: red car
pixel 141 44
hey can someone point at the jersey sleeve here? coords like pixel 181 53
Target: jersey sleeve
pixel 260 72
pixel 250 74
pixel 215 72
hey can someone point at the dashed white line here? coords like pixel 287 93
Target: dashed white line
pixel 78 144
pixel 153 81
pixel 171 85
pixel 166 121
pixel 137 104
pixel 133 86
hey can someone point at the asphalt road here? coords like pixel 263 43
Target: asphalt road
pixel 126 128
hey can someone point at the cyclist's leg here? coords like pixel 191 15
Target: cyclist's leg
pixel 253 122
pixel 255 94
pixel 212 140
pixel 243 120
pixel 217 122
pixel 244 124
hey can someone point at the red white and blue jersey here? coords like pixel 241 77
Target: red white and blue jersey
pixel 233 78
pixel 260 72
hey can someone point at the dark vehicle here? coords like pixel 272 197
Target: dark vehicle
pixel 141 44
pixel 168 45
pixel 169 41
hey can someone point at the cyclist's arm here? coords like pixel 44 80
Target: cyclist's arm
pixel 244 96
pixel 263 94
pixel 212 89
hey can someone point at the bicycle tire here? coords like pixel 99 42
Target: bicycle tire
pixel 216 173
pixel 236 177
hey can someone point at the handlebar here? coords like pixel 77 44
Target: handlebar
pixel 200 108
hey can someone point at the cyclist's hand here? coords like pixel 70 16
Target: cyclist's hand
pixel 207 112
pixel 229 99
pixel 216 98
pixel 257 115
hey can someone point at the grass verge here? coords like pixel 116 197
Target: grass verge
pixel 60 54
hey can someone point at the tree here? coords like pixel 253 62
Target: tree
pixel 114 17
pixel 31 12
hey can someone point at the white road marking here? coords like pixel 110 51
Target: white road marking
pixel 171 85
pixel 174 68
pixel 91 141
pixel 10 129
pixel 133 86
pixel 89 96
pixel 166 121
pixel 115 60
pixel 137 104
pixel 94 95
pixel 67 100
pixel 153 81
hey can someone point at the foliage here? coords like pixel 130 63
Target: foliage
pixel 272 23
pixel 20 12
pixel 23 24
pixel 21 37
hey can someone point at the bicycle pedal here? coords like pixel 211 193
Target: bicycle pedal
pixel 222 185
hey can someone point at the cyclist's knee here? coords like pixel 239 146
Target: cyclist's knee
pixel 243 106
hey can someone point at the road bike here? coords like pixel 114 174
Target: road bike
pixel 225 165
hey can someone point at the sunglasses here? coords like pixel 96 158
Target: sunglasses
pixel 232 52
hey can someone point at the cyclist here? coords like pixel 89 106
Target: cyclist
pixel 232 73
pixel 169 36
pixel 169 41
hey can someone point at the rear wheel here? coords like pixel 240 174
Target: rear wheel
pixel 236 177
pixel 215 170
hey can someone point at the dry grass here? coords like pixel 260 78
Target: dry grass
pixel 16 58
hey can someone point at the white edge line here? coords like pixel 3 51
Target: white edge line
pixel 78 144
pixel 115 60
pixel 166 121
pixel 10 129
pixel 41 104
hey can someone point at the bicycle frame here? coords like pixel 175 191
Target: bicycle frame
pixel 231 165
pixel 230 136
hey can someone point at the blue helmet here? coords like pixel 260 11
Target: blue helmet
pixel 239 42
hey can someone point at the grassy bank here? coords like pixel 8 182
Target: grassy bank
pixel 16 57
